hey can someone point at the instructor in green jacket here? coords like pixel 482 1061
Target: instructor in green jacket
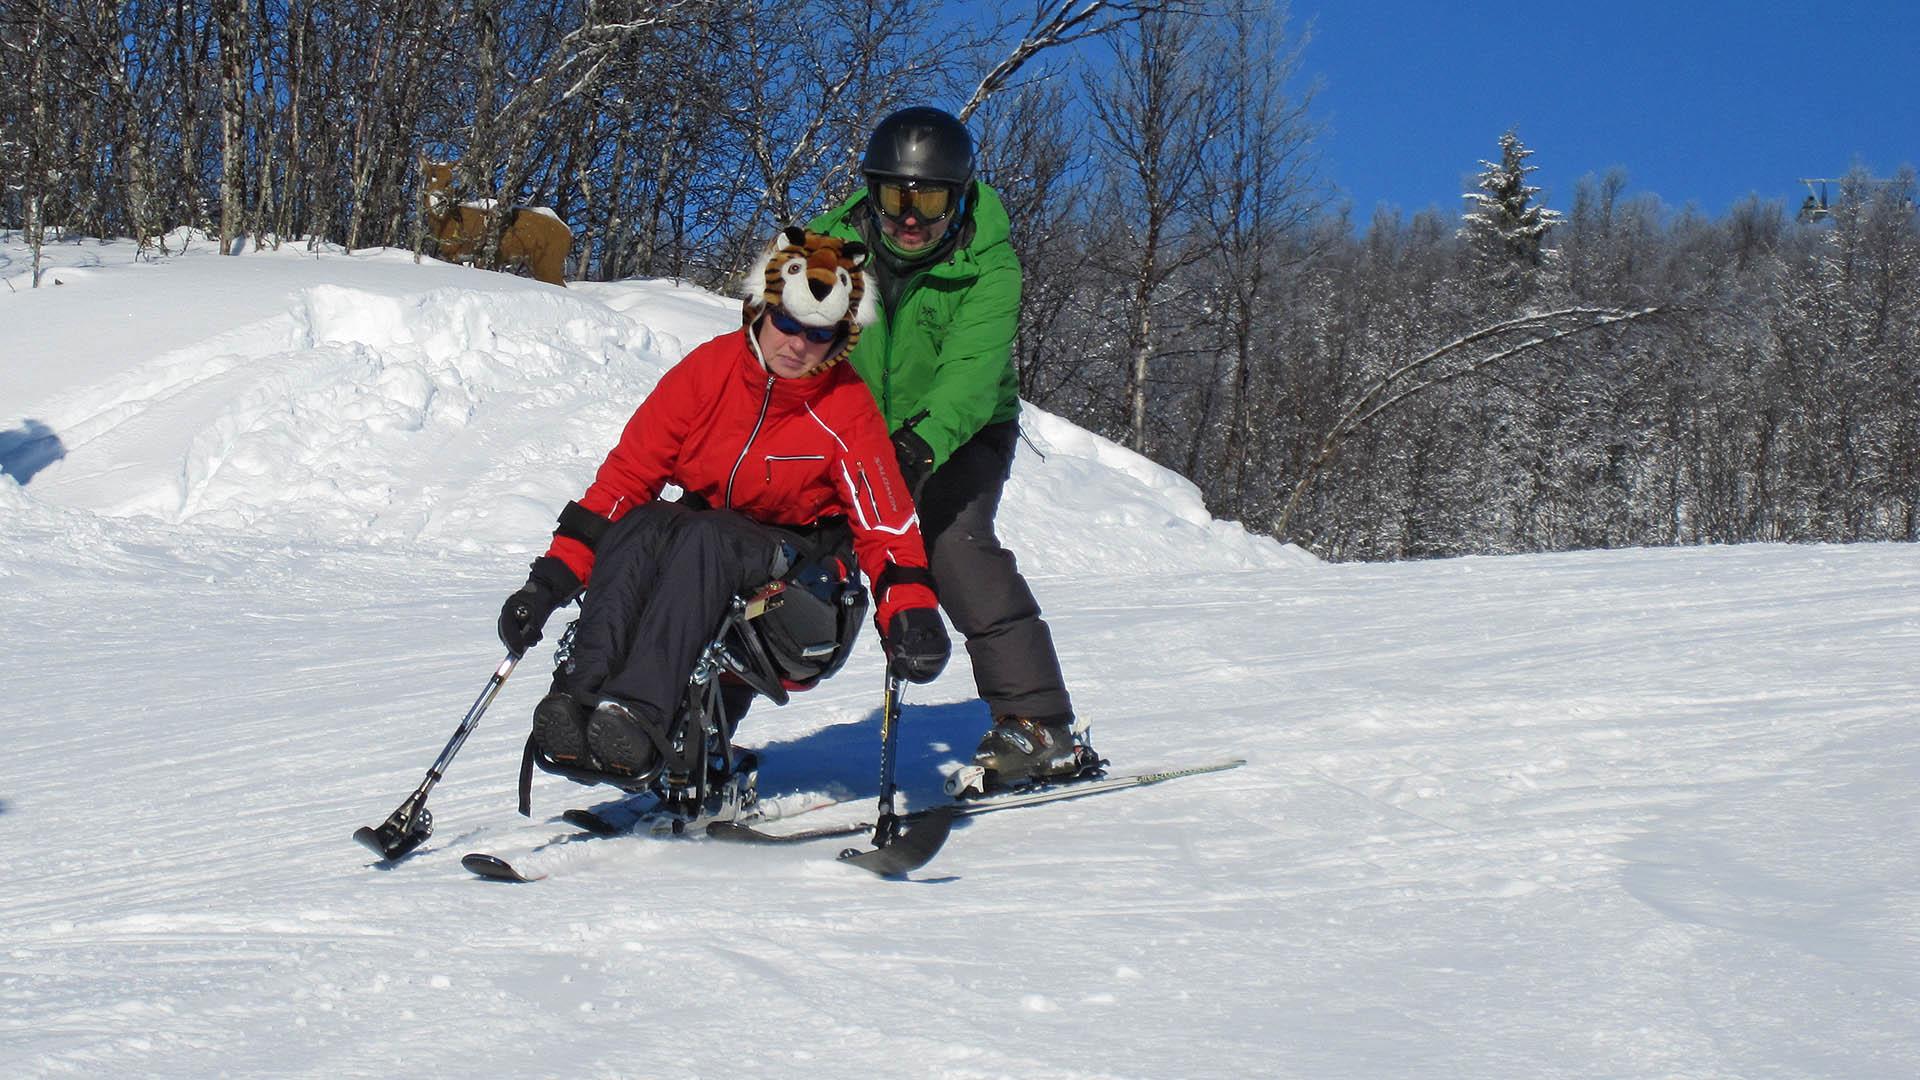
pixel 940 364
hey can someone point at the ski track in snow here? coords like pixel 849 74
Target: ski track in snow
pixel 1619 814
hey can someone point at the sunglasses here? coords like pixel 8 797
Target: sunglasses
pixel 897 198
pixel 792 327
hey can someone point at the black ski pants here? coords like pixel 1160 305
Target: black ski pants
pixel 1015 667
pixel 663 578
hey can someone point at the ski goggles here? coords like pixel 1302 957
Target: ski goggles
pixel 897 198
pixel 792 327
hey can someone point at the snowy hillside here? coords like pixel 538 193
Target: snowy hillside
pixel 1633 814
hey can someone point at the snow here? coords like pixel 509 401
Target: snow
pixel 1609 814
pixel 486 205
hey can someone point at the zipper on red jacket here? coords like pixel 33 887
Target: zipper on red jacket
pixel 771 458
pixel 765 404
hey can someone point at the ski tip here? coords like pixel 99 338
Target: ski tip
pixel 494 868
pixel 591 822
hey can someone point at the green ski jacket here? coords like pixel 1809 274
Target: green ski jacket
pixel 944 346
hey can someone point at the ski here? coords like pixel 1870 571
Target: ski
pixel 633 816
pixel 495 868
pixel 609 819
pixel 1057 792
pixel 498 867
pixel 593 821
pixel 913 837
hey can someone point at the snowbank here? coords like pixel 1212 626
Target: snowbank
pixel 370 398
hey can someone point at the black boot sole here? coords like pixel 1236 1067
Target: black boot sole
pixel 619 743
pixel 561 729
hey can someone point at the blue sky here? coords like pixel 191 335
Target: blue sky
pixel 1698 102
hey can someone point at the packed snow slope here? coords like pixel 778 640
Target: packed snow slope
pixel 1622 814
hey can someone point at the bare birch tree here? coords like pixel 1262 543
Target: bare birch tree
pixel 1261 198
pixel 230 18
pixel 1152 121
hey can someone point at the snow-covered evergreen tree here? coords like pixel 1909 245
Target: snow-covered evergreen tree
pixel 1504 224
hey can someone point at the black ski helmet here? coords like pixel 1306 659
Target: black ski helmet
pixel 921 143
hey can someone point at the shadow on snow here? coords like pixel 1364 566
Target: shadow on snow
pixel 931 737
pixel 27 449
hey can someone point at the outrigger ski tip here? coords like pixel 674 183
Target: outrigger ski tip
pixel 903 851
pixel 397 836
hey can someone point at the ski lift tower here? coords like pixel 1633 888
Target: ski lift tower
pixel 1817 206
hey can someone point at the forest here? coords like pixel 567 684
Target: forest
pixel 1504 377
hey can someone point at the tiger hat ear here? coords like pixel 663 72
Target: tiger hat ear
pixel 858 257
pixel 869 310
pixel 753 282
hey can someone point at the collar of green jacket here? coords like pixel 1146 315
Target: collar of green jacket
pixel 985 227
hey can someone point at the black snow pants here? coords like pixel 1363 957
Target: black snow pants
pixel 663 578
pixel 1014 664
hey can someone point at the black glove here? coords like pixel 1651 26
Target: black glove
pixel 551 584
pixel 916 458
pixel 916 644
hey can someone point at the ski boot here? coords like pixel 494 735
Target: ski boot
pixel 1024 751
pixel 738 797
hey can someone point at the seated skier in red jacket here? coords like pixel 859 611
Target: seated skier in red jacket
pixel 773 441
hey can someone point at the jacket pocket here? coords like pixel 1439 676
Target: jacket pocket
pixel 773 459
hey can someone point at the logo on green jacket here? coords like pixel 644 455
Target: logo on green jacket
pixel 934 323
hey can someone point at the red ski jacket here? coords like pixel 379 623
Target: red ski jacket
pixel 780 451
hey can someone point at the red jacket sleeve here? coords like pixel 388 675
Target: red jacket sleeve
pixel 886 526
pixel 642 462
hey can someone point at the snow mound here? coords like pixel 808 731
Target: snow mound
pixel 346 414
pixel 1068 480
pixel 370 399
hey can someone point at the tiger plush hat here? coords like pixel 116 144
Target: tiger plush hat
pixel 818 279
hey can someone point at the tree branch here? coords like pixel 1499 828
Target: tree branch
pixel 1376 401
